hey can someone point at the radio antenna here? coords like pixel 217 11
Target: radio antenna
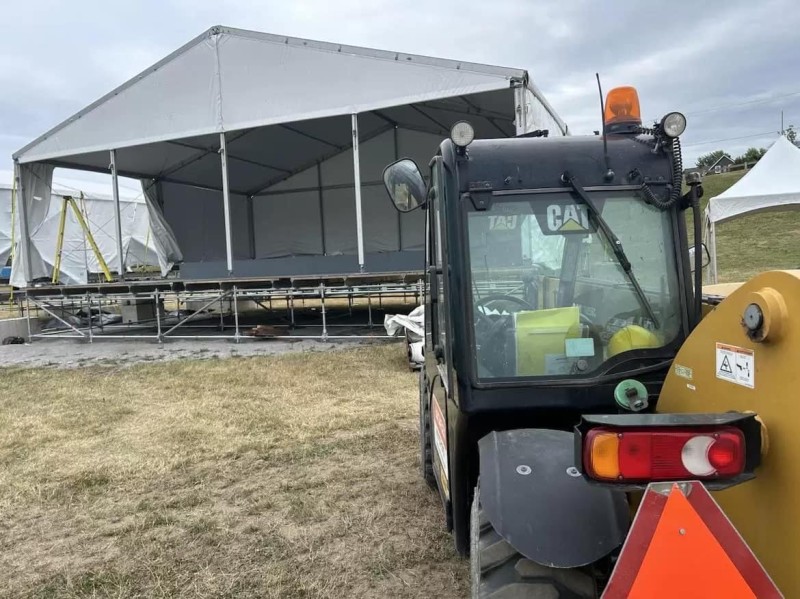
pixel 609 173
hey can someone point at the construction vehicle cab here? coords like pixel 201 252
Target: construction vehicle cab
pixel 558 286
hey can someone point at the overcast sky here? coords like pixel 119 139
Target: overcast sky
pixel 731 67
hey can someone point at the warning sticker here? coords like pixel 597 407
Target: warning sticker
pixel 736 364
pixel 684 372
pixel 440 438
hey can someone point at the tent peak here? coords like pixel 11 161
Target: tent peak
pixel 363 51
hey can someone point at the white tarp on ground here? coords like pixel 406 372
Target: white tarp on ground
pixel 77 258
pixel 283 106
pixel 772 184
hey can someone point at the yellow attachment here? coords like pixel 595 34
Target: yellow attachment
pixel 632 337
pixel 764 510
pixel 604 454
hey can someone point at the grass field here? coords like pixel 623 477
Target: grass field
pixel 291 477
pixel 754 243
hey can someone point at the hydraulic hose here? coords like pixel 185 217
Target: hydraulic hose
pixel 677 180
pixel 677 170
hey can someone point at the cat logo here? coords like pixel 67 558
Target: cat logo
pixel 569 218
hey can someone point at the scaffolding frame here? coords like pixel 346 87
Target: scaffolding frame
pixel 63 304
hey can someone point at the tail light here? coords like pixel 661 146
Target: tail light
pixel 653 454
pixel 632 450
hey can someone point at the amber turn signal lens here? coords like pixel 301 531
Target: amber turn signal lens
pixel 604 456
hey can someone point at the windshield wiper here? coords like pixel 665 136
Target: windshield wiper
pixel 616 244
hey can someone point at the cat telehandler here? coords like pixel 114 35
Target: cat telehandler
pixel 580 396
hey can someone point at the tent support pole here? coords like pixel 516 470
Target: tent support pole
pixel 357 185
pixel 251 229
pixel 520 109
pixel 712 237
pixel 117 214
pixel 23 224
pixel 321 209
pixel 399 214
pixel 226 202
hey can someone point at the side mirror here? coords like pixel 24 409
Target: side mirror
pixel 705 258
pixel 405 185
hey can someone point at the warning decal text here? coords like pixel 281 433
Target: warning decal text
pixel 736 364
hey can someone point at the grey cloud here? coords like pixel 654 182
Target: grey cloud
pixel 682 55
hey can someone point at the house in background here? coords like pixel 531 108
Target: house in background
pixel 722 165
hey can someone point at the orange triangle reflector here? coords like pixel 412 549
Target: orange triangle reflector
pixel 681 544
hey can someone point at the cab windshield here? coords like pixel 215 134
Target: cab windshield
pixel 549 296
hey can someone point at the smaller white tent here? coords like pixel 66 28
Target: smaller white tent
pixel 77 257
pixel 772 184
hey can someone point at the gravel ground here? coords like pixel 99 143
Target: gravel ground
pixel 75 354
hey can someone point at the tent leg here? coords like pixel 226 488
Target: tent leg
pixel 712 237
pixel 357 185
pixel 117 214
pixel 226 202
pixel 236 335
pixel 520 109
pixel 158 317
pixel 324 317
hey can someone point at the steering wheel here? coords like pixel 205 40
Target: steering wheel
pixel 493 319
pixel 489 329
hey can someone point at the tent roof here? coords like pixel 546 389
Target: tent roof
pixel 233 80
pixel 772 184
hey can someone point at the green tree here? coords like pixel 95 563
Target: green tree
pixel 791 133
pixel 751 155
pixel 711 158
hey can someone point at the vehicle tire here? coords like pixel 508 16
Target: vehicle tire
pixel 425 450
pixel 498 571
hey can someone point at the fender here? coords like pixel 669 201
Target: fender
pixel 538 501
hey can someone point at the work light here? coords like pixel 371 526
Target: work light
pixel 462 134
pixel 674 124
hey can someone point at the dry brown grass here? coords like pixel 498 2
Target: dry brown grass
pixel 292 476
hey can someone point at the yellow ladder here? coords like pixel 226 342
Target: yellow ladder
pixel 62 223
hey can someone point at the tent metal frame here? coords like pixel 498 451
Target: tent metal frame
pixel 269 298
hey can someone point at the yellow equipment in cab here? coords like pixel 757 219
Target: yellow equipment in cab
pixel 632 337
pixel 541 337
pixel 743 356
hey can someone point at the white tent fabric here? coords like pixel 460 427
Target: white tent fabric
pixel 282 115
pixel 228 79
pixel 77 257
pixel 7 232
pixel 772 184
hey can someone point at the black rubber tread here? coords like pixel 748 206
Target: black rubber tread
pixel 498 571
pixel 425 449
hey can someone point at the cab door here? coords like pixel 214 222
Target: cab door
pixel 437 341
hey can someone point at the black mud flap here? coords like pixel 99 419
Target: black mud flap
pixel 539 502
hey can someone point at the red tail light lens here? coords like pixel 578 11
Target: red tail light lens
pixel 657 454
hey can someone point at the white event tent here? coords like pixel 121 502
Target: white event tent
pixel 261 155
pixel 77 257
pixel 773 184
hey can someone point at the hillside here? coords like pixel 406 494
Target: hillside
pixel 754 243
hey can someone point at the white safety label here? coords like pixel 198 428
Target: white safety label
pixel 684 372
pixel 579 348
pixel 736 364
pixel 558 364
